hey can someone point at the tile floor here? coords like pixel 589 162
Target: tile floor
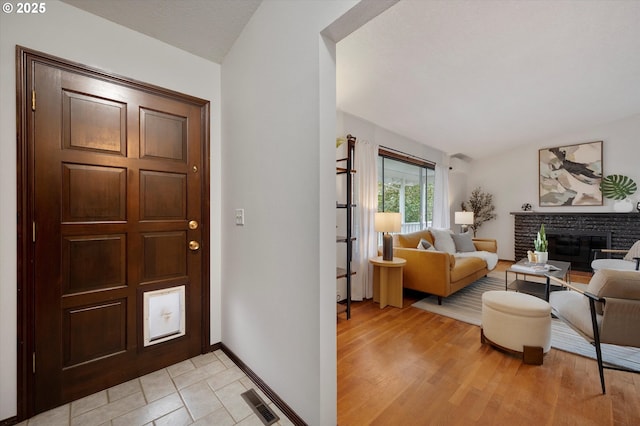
pixel 204 390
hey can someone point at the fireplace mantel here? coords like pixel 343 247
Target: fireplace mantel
pixel 632 215
pixel 623 228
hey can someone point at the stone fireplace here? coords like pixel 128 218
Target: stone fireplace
pixel 576 246
pixel 573 236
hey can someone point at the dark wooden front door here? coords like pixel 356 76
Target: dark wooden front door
pixel 116 175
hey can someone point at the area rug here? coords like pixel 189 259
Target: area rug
pixel 466 305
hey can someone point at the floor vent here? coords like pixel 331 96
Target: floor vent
pixel 259 407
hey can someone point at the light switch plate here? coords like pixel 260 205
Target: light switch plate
pixel 239 217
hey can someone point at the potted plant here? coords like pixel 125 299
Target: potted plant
pixel 618 188
pixel 541 245
pixel 481 204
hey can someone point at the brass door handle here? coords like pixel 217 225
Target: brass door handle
pixel 193 224
pixel 193 245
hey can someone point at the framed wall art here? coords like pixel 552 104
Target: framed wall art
pixel 570 175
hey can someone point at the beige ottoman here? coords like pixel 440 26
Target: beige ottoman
pixel 517 323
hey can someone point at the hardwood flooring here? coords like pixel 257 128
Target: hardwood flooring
pixel 411 367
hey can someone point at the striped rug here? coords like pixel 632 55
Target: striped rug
pixel 466 305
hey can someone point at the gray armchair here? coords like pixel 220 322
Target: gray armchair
pixel 607 310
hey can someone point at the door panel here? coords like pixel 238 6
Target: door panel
pixel 163 135
pixel 163 196
pixel 93 193
pixel 164 256
pixel 83 324
pixel 92 123
pixel 117 177
pixel 92 262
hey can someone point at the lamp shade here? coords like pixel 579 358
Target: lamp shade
pixel 463 218
pixel 388 222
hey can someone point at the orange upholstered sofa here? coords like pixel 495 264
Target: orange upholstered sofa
pixel 436 272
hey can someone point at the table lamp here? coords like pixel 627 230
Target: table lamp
pixel 386 222
pixel 464 219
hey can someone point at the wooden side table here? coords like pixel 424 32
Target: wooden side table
pixel 387 281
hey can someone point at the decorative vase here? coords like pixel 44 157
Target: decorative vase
pixel 542 256
pixel 623 206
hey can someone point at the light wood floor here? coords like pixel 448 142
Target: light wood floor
pixel 411 367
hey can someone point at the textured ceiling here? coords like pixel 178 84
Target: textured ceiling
pixel 206 28
pixel 478 77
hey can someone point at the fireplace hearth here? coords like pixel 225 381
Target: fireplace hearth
pixel 573 236
pixel 576 246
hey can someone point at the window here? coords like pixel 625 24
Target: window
pixel 406 185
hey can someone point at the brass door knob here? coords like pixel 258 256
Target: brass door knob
pixel 193 245
pixel 193 224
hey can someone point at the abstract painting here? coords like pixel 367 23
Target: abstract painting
pixel 571 175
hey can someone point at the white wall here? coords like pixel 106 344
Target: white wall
pixel 512 177
pixel 367 131
pixel 459 187
pixel 278 164
pixel 72 34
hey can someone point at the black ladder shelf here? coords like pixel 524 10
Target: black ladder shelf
pixel 347 273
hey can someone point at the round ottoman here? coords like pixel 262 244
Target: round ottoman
pixel 518 323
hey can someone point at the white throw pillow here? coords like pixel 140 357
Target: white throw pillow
pixel 443 240
pixel 425 245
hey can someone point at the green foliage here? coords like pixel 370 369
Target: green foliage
pixel 540 243
pixel 481 204
pixel 412 203
pixel 430 193
pixel 391 202
pixel 617 187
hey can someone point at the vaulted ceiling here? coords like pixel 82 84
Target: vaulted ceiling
pixel 478 77
pixel 467 77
